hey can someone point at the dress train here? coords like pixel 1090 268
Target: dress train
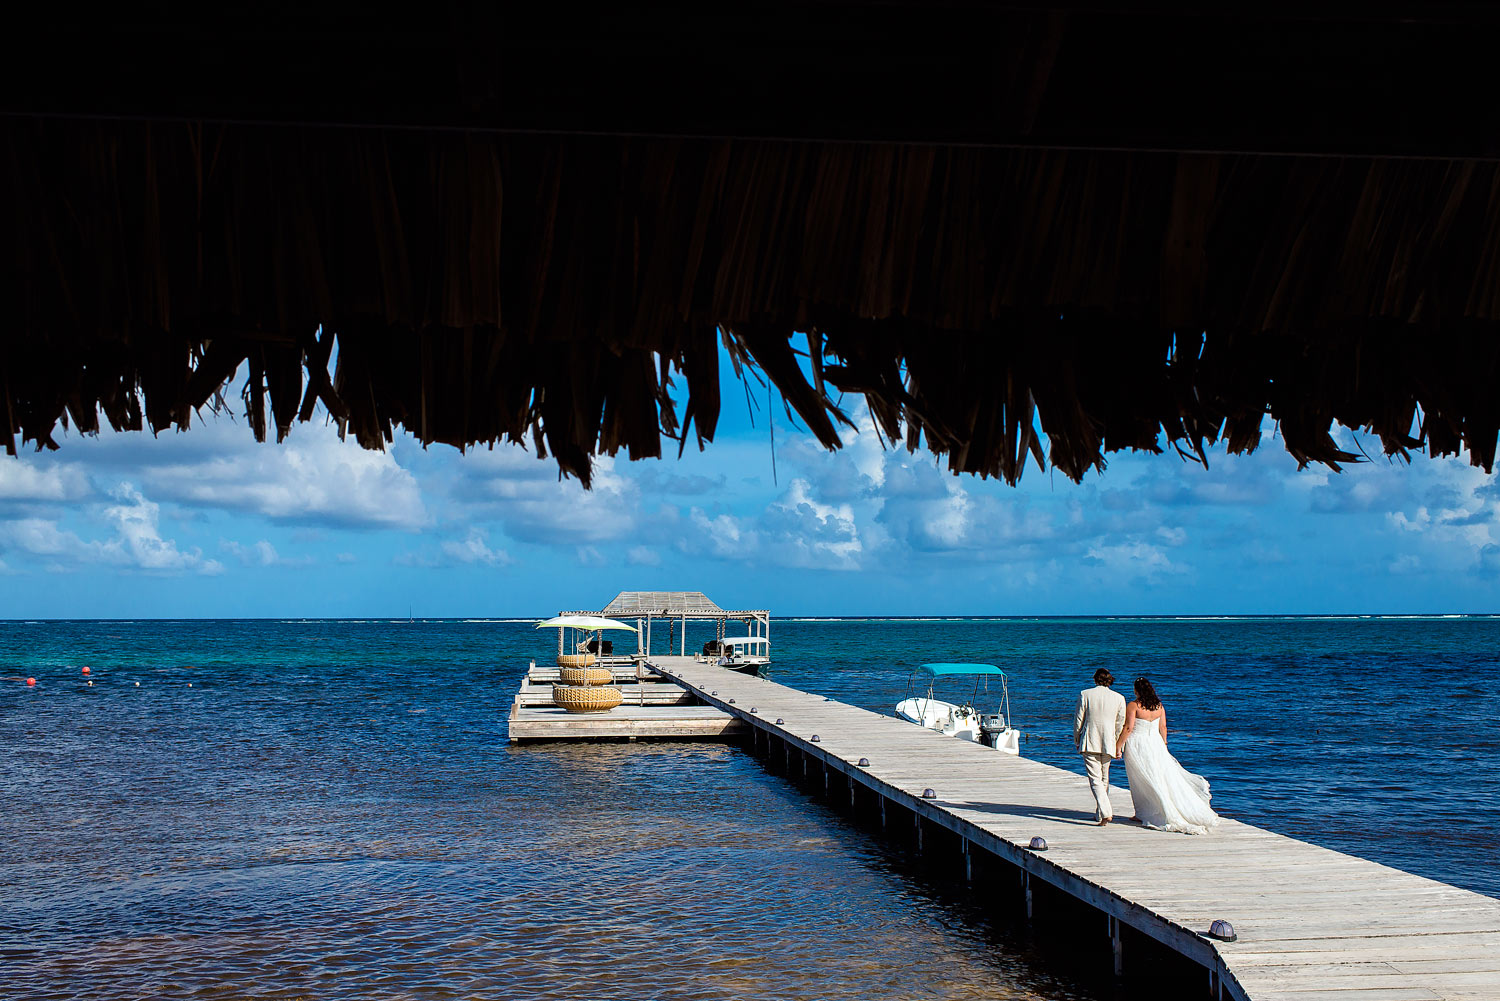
pixel 1167 796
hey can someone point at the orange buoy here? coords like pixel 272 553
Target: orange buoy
pixel 85 670
pixel 30 682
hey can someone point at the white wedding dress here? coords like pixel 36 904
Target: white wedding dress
pixel 1167 796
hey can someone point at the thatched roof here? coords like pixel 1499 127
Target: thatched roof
pixel 1113 280
pixel 672 604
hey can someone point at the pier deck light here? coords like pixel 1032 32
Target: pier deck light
pixel 779 721
pixel 1222 930
pixel 929 794
pixel 864 762
pixel 754 710
pixel 816 739
pixel 1038 844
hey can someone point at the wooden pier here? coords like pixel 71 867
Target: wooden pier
pixel 1313 924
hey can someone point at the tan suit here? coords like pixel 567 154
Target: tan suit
pixel 1100 716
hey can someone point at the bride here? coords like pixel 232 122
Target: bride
pixel 1167 796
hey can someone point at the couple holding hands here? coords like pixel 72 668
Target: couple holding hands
pixel 1167 796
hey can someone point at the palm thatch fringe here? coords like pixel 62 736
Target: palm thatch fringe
pixel 477 287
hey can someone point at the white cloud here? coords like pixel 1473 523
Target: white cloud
pixel 42 537
pixel 1172 536
pixel 801 531
pixel 261 554
pixel 1406 563
pixel 857 470
pixel 1445 508
pixel 1229 481
pixel 866 452
pixel 474 549
pixel 137 521
pixel 137 542
pixel 311 477
pixel 1132 560
pixel 524 493
pixel 643 556
pixel 22 480
pixel 933 514
pixel 1418 521
pixel 719 535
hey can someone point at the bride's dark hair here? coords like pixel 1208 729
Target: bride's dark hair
pixel 1146 695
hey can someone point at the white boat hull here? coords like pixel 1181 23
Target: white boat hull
pixel 961 722
pixel 748 664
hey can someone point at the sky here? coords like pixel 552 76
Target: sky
pixel 208 523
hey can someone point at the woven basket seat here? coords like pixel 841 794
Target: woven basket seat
pixel 585 676
pixel 586 698
pixel 576 660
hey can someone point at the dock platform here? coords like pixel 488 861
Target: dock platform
pixel 654 709
pixel 1313 924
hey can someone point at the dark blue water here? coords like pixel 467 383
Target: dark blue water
pixel 331 809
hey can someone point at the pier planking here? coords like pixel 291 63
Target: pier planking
pixel 1313 924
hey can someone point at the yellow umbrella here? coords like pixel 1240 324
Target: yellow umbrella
pixel 591 623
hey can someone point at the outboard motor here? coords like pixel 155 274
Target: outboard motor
pixel 991 726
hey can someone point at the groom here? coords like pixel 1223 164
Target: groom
pixel 1099 719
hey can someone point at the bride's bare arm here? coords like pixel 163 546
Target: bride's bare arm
pixel 1164 725
pixel 1125 733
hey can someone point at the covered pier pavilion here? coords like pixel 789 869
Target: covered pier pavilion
pixel 676 609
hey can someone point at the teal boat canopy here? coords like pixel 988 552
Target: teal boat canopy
pixel 942 670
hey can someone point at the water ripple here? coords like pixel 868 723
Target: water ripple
pixel 332 810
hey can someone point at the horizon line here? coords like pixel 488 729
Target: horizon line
pixel 802 617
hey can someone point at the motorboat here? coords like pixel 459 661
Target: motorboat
pixel 962 720
pixel 745 653
pixel 738 653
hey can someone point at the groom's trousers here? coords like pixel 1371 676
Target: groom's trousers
pixel 1096 766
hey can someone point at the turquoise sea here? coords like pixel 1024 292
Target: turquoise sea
pixel 330 809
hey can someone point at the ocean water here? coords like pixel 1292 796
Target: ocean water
pixel 330 809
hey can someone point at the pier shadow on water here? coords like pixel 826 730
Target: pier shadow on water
pixel 1055 947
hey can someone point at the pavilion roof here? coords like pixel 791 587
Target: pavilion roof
pixel 669 604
